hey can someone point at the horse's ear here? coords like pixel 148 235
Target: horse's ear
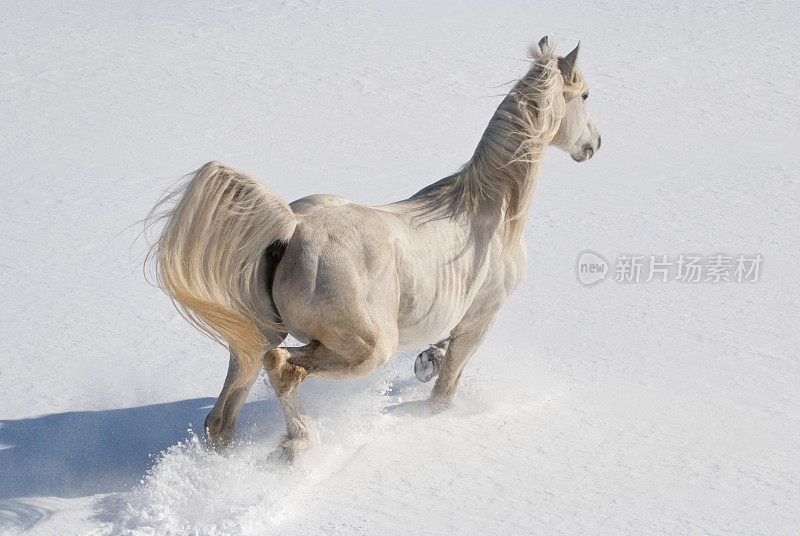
pixel 543 43
pixel 567 64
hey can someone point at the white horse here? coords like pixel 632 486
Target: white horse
pixel 356 283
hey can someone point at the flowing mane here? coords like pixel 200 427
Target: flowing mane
pixel 504 168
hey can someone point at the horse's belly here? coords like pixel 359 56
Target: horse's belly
pixel 433 296
pixel 412 337
pixel 423 324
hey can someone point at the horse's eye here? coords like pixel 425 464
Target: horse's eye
pixel 585 95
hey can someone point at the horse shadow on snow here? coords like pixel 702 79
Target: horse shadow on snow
pixel 77 454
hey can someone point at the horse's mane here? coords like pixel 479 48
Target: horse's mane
pixel 505 163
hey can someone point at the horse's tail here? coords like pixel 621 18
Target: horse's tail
pixel 210 257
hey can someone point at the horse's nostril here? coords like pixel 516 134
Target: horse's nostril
pixel 598 141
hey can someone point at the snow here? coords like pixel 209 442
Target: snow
pixel 616 408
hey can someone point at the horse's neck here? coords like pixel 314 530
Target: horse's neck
pixel 501 176
pixel 503 184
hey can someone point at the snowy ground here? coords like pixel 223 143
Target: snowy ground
pixel 614 409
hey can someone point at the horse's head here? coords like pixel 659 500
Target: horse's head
pixel 577 133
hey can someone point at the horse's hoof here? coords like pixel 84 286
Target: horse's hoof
pixel 212 429
pixel 428 363
pixel 438 404
pixel 290 447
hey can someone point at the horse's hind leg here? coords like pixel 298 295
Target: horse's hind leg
pixel 288 367
pixel 220 424
pixel 285 379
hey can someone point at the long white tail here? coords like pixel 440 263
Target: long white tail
pixel 210 256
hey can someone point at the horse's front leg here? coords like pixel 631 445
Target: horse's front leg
pixel 429 362
pixel 464 341
pixel 220 424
